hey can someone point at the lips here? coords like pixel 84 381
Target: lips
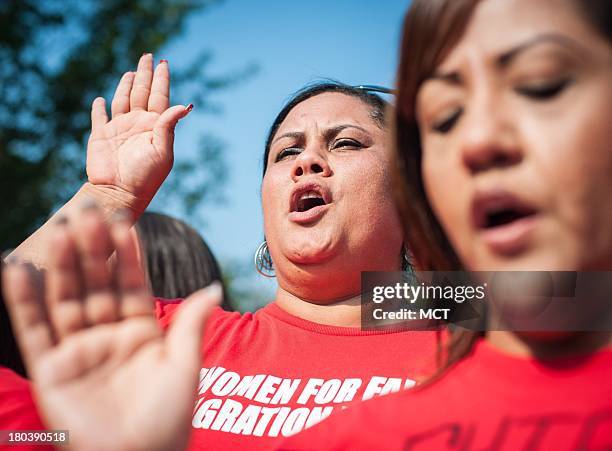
pixel 308 202
pixel 504 220
pixel 495 209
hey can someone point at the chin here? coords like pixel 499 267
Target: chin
pixel 311 256
pixel 312 250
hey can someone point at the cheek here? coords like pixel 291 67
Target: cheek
pixel 369 182
pixel 443 182
pixel 372 207
pixel 269 200
pixel 577 164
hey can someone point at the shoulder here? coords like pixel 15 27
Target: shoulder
pixel 345 429
pixel 382 422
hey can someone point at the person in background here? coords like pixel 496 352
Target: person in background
pixel 504 151
pixel 176 260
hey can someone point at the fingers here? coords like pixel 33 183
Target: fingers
pixel 139 97
pixel 82 289
pixel 28 314
pixel 130 281
pixel 163 130
pixel 185 334
pixel 143 89
pixel 64 287
pixel 99 117
pixel 159 101
pixel 93 242
pixel 121 99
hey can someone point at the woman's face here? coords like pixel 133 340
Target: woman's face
pixel 517 139
pixel 327 203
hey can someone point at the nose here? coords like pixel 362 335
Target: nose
pixel 309 162
pixel 489 140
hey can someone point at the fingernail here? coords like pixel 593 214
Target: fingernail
pixel 214 291
pixel 7 257
pixel 163 61
pixel 189 107
pixel 30 268
pixel 146 53
pixel 89 205
pixel 61 220
pixel 12 260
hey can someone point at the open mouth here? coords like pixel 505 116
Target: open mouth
pixel 500 210
pixel 309 200
pixel 506 216
pixel 308 197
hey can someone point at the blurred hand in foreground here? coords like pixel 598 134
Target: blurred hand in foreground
pixel 101 366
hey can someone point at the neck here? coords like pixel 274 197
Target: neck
pixel 345 312
pixel 549 345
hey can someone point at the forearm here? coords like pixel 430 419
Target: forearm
pixel 110 202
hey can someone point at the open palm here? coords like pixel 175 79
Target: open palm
pixel 133 152
pixel 100 365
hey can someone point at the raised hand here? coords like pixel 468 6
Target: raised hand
pixel 133 152
pixel 100 365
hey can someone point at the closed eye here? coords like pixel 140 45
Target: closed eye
pixel 447 123
pixel 543 91
pixel 289 151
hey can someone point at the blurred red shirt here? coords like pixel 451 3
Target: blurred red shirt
pixel 488 401
pixel 17 408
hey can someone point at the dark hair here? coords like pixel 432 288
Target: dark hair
pixel 431 28
pixel 10 357
pixel 375 102
pixel 177 260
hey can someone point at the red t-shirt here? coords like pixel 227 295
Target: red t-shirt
pixel 269 374
pixel 17 409
pixel 488 401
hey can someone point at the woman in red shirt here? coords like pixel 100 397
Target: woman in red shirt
pixel 95 347
pixel 503 137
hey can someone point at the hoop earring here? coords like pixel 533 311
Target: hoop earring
pixel 406 260
pixel 263 261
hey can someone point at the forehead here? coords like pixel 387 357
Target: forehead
pixel 498 25
pixel 328 110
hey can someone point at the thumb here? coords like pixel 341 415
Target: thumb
pixel 183 342
pixel 163 130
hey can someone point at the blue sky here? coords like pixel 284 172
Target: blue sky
pixel 293 43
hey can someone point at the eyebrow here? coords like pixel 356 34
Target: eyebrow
pixel 507 57
pixel 328 133
pixel 452 78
